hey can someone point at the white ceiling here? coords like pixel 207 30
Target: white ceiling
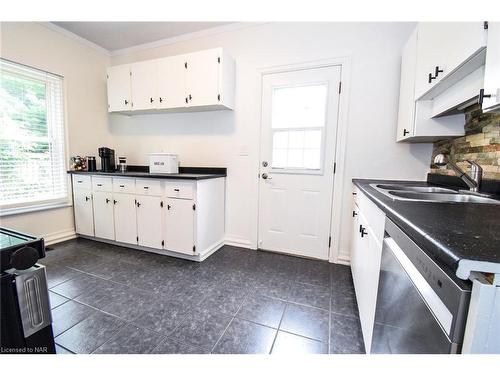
pixel 117 35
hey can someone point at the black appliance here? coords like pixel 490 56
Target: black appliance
pixel 107 156
pixel 25 318
pixel 91 164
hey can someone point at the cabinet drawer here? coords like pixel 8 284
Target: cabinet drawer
pixel 124 185
pixel 81 182
pixel 180 189
pixel 101 183
pixel 148 187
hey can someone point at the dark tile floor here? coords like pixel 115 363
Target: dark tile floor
pixel 110 299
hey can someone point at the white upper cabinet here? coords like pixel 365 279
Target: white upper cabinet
pixel 119 96
pixel 201 80
pixel 171 82
pixel 491 100
pixel 143 82
pixel 406 114
pixel 442 47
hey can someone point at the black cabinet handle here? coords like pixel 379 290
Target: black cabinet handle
pixel 115 201
pixel 190 97
pixel 151 100
pixel 186 99
pixel 431 77
pixel 364 232
pixel 161 100
pixel 87 199
pixel 122 185
pixel 138 204
pixel 168 207
pixel 99 184
pixel 146 187
pixel 107 200
pixel 405 132
pixel 126 101
pixel 176 189
pixel 437 71
pixel 354 213
pixel 360 228
pixel 482 95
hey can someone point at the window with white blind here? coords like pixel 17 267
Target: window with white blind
pixel 298 125
pixel 32 155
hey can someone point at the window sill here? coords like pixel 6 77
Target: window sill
pixel 35 208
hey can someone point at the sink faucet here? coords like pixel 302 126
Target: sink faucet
pixel 472 181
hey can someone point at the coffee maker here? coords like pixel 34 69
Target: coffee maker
pixel 107 156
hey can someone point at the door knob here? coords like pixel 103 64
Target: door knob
pixel 266 177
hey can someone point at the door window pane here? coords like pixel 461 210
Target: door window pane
pixel 298 121
pixel 299 107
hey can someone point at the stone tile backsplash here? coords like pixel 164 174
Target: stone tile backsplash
pixel 481 143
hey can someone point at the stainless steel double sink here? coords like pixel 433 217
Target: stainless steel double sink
pixel 430 194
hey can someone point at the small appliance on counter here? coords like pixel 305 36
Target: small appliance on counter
pixel 122 164
pixel 26 320
pixel 161 162
pixel 107 156
pixel 91 164
pixel 77 163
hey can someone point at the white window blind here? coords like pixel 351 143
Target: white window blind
pixel 32 155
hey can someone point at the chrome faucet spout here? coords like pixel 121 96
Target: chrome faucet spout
pixel 473 182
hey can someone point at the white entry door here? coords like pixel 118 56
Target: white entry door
pixel 299 126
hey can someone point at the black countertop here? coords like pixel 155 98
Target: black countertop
pixel 185 173
pixel 447 232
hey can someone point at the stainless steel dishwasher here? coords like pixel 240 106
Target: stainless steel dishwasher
pixel 420 308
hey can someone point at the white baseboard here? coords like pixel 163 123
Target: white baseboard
pixel 238 242
pixel 343 260
pixel 60 236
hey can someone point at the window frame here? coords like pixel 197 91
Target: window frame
pixel 46 204
pixel 306 171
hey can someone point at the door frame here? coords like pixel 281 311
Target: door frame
pixel 340 147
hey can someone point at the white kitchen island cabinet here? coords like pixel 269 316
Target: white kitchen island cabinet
pixel 178 217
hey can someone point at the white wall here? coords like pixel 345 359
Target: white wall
pixel 84 71
pixel 231 139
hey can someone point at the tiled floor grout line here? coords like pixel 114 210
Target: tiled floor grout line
pixel 279 327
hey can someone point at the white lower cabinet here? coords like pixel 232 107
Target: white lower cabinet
pixel 103 215
pixel 179 225
pixel 125 218
pixel 366 252
pixel 170 216
pixel 149 220
pixel 84 215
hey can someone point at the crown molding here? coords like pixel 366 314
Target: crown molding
pixel 183 37
pixel 75 37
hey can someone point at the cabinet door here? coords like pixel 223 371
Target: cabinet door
pixel 172 82
pixel 149 220
pixel 84 217
pixel 144 85
pixel 406 113
pixel 492 69
pixel 119 88
pixel 103 215
pixel 125 218
pixel 203 78
pixel 445 45
pixel 179 226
